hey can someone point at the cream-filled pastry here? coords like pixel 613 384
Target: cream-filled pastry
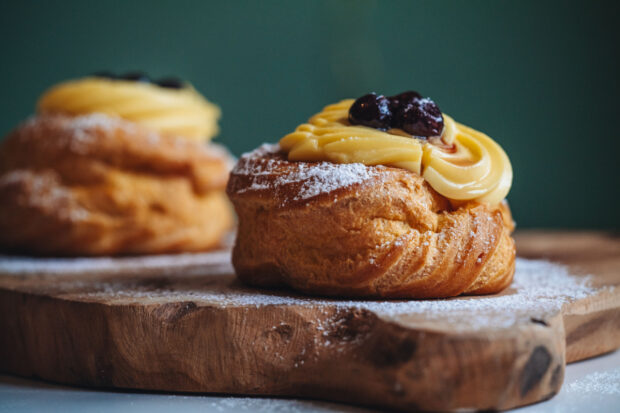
pixel 383 197
pixel 113 165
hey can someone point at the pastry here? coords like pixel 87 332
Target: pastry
pixel 113 165
pixel 378 197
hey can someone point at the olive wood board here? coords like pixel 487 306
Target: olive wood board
pixel 183 323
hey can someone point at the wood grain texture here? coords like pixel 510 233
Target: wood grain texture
pixel 592 325
pixel 194 328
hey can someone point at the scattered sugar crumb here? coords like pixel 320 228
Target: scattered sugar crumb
pixel 264 405
pixel 600 383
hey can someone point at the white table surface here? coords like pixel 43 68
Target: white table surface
pixel 589 386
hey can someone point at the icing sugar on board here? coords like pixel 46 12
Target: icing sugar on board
pixel 539 287
pixel 183 323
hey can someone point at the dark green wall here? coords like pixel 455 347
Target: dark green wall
pixel 539 77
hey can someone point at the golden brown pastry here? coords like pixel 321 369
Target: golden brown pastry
pixel 353 229
pixel 99 184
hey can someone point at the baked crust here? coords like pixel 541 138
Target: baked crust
pixel 95 185
pixel 355 230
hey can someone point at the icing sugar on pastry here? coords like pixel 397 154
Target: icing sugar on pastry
pixel 264 172
pixel 366 200
pixel 461 164
pixel 175 111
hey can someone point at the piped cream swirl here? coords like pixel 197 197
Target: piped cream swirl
pixel 462 165
pixel 182 112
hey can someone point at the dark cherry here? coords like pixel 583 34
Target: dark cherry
pixel 402 99
pixel 105 74
pixel 420 117
pixel 170 82
pixel 136 77
pixel 371 110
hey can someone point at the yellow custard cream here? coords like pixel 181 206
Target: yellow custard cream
pixel 183 112
pixel 462 165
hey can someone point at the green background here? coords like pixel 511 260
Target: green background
pixel 539 77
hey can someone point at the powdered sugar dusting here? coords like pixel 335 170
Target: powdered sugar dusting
pixel 98 121
pixel 82 129
pixel 78 133
pixel 264 149
pixel 162 264
pixel 266 405
pixel 42 191
pixel 309 179
pixel 326 177
pixel 597 383
pixel 540 289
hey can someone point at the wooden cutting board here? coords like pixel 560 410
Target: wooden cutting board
pixel 183 323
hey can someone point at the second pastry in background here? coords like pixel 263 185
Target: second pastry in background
pixel 115 165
